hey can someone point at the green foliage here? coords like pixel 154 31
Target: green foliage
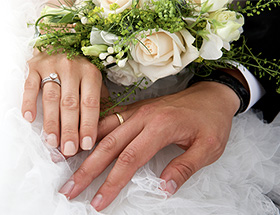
pixel 65 33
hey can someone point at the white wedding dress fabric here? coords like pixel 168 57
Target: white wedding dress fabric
pixel 237 184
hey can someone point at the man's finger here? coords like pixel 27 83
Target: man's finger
pixel 111 122
pixel 102 156
pixel 181 168
pixel 135 155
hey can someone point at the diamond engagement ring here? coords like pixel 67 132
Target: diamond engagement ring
pixel 53 77
pixel 120 118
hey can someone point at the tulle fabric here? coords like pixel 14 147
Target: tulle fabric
pixel 30 180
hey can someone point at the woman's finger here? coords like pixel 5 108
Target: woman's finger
pixel 69 107
pixel 31 90
pixel 90 105
pixel 51 109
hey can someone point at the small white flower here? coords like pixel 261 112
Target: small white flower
pixel 121 63
pixel 84 20
pixel 110 59
pixel 110 50
pixel 102 56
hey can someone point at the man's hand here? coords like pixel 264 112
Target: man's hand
pixel 197 120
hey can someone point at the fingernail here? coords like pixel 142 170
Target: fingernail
pixel 87 143
pixel 67 188
pixel 52 140
pixel 96 200
pixel 171 187
pixel 69 148
pixel 28 116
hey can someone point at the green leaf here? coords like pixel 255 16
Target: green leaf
pixel 68 18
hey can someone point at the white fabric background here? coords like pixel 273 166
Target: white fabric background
pixel 29 180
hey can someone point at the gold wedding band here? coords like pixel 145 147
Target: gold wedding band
pixel 120 118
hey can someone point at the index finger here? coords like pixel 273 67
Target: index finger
pixel 31 90
pixel 134 156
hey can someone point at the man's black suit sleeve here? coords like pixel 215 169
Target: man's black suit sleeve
pixel 262 35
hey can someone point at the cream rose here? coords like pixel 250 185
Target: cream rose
pixel 162 53
pixel 230 24
pixel 210 5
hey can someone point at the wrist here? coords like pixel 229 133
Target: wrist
pixel 225 99
pixel 233 83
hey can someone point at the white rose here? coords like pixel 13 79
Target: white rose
pixel 229 25
pixel 105 4
pixel 210 5
pixel 162 53
pixel 123 75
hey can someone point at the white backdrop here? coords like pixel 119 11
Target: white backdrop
pixel 29 180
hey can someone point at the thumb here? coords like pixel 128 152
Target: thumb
pixel 181 168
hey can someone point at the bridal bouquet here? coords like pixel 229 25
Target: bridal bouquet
pixel 132 40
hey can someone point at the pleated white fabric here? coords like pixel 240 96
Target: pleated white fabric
pixel 29 180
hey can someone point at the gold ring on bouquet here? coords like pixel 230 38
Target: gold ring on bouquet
pixel 53 77
pixel 120 118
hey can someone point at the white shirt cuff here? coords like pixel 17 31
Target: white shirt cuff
pixel 255 88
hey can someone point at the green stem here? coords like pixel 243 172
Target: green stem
pixel 123 99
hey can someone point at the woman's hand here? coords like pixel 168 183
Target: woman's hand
pixel 197 120
pixel 71 112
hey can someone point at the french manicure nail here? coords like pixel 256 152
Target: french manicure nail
pixel 28 116
pixel 52 140
pixel 96 200
pixel 171 186
pixel 87 143
pixel 67 188
pixel 69 148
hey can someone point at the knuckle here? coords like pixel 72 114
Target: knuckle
pixel 81 173
pixel 90 102
pixel 186 170
pixel 30 84
pixel 51 95
pixel 127 157
pixel 113 186
pixel 87 124
pixel 214 142
pixel 68 130
pixel 108 144
pixel 164 116
pixel 50 125
pixel 146 109
pixel 70 102
pixel 66 62
pixel 28 103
